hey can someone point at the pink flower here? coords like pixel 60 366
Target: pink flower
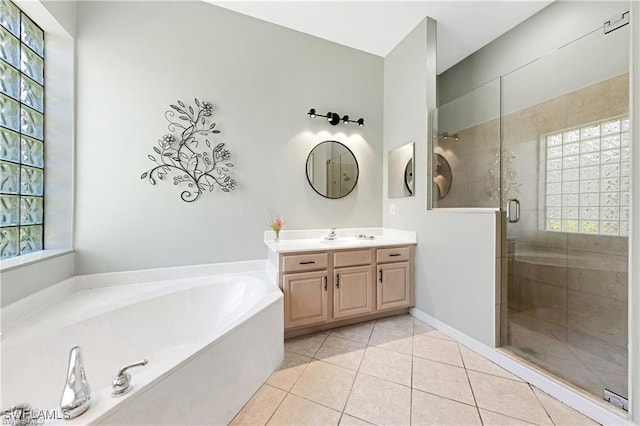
pixel 277 223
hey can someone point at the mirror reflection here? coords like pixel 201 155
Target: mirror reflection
pixel 401 171
pixel 332 169
pixel 442 179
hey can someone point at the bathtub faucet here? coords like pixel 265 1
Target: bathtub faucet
pixel 121 384
pixel 76 397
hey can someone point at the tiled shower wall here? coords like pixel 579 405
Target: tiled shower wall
pixel 566 292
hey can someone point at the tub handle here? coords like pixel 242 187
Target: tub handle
pixel 122 382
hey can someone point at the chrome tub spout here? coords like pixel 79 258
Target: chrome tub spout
pixel 76 397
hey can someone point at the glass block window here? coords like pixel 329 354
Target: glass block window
pixel 587 179
pixel 21 132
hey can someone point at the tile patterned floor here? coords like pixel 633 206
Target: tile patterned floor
pixel 396 371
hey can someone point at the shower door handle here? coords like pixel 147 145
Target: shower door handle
pixel 513 214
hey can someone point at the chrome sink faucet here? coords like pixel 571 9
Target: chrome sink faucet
pixel 76 397
pixel 332 235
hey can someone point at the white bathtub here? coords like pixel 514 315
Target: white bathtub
pixel 212 335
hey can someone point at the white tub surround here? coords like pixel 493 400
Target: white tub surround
pixel 363 273
pixel 199 327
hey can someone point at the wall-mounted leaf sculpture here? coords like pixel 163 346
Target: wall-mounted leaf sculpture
pixel 191 158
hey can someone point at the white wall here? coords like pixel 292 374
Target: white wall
pixel 135 58
pixel 57 19
pixel 456 253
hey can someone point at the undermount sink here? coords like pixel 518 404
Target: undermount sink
pixel 341 241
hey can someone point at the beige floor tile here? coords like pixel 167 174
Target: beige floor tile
pixel 514 399
pixel 476 362
pixel 437 350
pixel 388 365
pixel 342 352
pixel 427 409
pixel 420 328
pixel 289 372
pixel 489 418
pixel 348 420
pixel 379 401
pixel 260 407
pixel 305 345
pixel 398 322
pixel 442 379
pixel 358 333
pixel 326 384
pixel 393 339
pixel 560 413
pixel 296 411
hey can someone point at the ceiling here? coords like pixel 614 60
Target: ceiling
pixel 378 26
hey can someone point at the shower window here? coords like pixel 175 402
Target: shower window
pixel 587 178
pixel 21 132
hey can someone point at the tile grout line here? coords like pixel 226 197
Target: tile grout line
pixel 356 376
pixel 413 328
pixel 541 404
pixel 473 394
pixel 276 409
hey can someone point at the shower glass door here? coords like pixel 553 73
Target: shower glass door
pixel 565 189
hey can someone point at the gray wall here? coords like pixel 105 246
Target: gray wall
pixel 456 253
pixel 135 58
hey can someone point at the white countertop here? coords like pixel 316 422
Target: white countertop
pixel 314 239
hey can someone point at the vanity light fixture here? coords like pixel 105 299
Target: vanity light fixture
pixel 334 118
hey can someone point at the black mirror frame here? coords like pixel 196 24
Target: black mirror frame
pixel 306 170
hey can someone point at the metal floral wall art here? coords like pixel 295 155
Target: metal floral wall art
pixel 188 155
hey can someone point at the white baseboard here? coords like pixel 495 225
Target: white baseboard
pixel 537 378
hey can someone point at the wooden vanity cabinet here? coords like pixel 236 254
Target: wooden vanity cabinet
pixel 305 282
pixel 394 278
pixel 344 286
pixel 353 280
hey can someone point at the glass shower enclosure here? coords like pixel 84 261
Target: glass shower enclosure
pixel 548 144
pixel 565 189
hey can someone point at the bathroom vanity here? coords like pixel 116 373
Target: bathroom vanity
pixel 330 283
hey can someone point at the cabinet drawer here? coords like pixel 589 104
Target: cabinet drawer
pixel 304 262
pixel 397 254
pixel 351 258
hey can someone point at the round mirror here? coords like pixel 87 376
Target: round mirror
pixel 332 169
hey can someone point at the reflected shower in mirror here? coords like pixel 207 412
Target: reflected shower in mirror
pixel 401 171
pixel 332 169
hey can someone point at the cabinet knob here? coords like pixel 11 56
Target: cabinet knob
pixel 380 275
pixel 337 280
pixel 325 283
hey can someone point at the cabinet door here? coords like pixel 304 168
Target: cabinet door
pixel 305 298
pixel 352 292
pixel 394 286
